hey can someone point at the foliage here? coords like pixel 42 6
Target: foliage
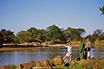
pixel 76 65
pixel 60 67
pixel 7 36
pixel 98 34
pixel 74 34
pixel 1 40
pixel 102 10
pixel 16 40
pixel 38 34
pixel 41 35
pixel 13 66
pixel 24 36
pixel 33 31
pixel 53 33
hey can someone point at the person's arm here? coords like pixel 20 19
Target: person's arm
pixel 66 46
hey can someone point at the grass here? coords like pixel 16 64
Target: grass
pixel 76 66
pixel 13 66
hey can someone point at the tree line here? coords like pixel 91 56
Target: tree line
pixel 52 33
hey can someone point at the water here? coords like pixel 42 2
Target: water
pixel 37 54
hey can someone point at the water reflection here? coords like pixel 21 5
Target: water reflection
pixel 17 57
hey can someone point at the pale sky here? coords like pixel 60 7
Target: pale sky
pixel 17 15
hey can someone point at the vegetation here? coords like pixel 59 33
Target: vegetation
pixel 1 40
pixel 7 36
pixel 24 36
pixel 97 35
pixel 102 10
pixel 53 33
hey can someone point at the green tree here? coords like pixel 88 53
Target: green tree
pixel 89 37
pixel 102 10
pixel 74 34
pixel 34 31
pixel 1 40
pixel 8 36
pixel 66 35
pixel 24 36
pixel 53 33
pixel 98 34
pixel 41 35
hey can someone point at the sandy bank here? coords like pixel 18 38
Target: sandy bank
pixel 12 47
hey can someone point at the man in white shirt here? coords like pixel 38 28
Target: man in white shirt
pixel 69 53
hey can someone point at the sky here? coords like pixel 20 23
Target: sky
pixel 17 15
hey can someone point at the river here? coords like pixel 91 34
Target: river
pixel 42 53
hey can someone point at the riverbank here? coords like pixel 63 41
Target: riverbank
pixel 13 47
pixel 57 63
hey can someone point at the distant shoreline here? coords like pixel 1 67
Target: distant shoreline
pixel 13 47
pixel 34 45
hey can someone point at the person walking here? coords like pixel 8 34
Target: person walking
pixel 82 45
pixel 69 52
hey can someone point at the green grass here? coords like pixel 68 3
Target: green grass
pixel 90 67
pixel 100 67
pixel 75 66
pixel 13 66
pixel 61 67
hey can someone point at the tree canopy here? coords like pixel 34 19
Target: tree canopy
pixel 24 36
pixel 53 32
pixel 7 36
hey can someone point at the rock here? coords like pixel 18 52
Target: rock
pixel 28 65
pixel 93 63
pixel 58 60
pixel 43 63
pixel 19 66
pixel 38 64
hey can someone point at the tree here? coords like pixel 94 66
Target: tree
pixel 38 34
pixel 102 10
pixel 33 30
pixel 53 33
pixel 90 38
pixel 66 35
pixel 41 35
pixel 74 34
pixel 98 34
pixel 8 36
pixel 1 40
pixel 24 36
